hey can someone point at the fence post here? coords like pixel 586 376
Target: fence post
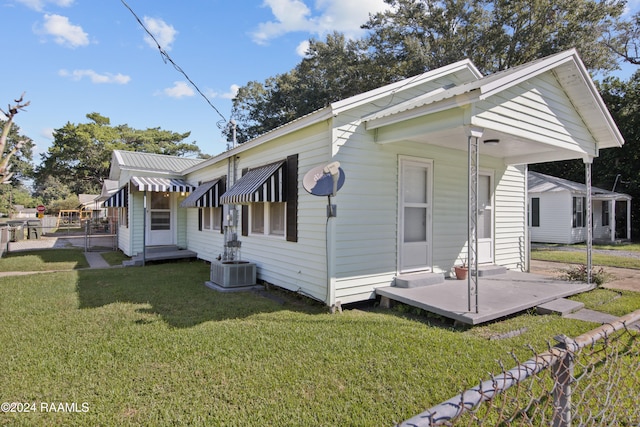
pixel 562 375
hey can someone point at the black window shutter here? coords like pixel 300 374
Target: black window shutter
pixel 222 187
pixel 245 215
pixel 292 198
pixel 200 219
pixel 535 212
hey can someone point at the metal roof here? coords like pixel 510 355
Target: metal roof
pixel 134 160
pixel 540 183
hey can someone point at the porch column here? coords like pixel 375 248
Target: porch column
pixel 629 219
pixel 473 137
pixel 587 165
pixel 144 228
pixel 612 219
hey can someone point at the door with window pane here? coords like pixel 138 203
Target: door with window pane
pixel 415 215
pixel 159 218
pixel 485 218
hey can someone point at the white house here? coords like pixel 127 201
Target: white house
pixel 430 163
pixel 559 211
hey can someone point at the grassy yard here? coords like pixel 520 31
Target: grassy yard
pixel 579 256
pixel 43 260
pixel 153 346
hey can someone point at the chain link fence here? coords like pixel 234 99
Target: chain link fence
pixel 592 380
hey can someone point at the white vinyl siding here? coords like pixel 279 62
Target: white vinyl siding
pixel 296 266
pixel 510 218
pixel 555 218
pixel 528 111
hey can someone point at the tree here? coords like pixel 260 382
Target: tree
pixel 625 41
pixel 414 36
pixel 16 149
pixel 81 153
pixel 332 70
pixel 419 35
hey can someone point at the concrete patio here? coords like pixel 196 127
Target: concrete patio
pixel 498 295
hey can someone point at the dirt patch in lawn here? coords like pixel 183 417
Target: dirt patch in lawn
pixel 621 278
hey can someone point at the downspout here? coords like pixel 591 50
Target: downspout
pixel 527 222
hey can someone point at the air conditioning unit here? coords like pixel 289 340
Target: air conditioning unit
pixel 233 274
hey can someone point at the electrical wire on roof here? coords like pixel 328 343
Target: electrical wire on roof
pixel 166 57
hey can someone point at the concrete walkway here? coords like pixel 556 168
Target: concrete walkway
pixel 95 260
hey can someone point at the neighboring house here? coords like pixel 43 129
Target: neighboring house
pixel 409 151
pixel 20 212
pixel 559 211
pixel 109 188
pixel 90 207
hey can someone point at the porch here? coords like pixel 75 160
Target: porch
pixel 498 295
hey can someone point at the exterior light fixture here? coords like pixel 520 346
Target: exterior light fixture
pixel 491 141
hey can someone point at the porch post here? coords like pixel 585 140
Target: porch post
pixel 144 228
pixel 612 219
pixel 474 134
pixel 629 219
pixel 587 164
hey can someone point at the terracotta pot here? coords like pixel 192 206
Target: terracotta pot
pixel 461 272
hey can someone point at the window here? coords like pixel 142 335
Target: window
pixel 268 218
pixel 579 212
pixel 123 217
pixel 605 213
pixel 211 219
pixel 535 211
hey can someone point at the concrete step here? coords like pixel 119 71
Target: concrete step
pixel 561 306
pixel 417 280
pixel 491 270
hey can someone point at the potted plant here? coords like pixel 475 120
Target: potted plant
pixel 461 270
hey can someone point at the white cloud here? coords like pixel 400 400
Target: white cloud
pixel 95 77
pixel 47 133
pixel 345 16
pixel 230 94
pixel 233 91
pixel 302 48
pixel 39 5
pixel 164 33
pixel 64 32
pixel 179 90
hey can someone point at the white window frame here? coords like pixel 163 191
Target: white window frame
pixel 214 215
pixel 267 219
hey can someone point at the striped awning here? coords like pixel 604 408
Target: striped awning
pixel 152 183
pixel 207 195
pixel 120 199
pixel 263 184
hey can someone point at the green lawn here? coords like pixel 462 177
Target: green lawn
pixel 580 256
pixel 154 346
pixel 43 260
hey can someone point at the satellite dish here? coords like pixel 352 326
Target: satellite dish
pixel 319 181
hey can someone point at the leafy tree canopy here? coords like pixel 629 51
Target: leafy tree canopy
pixel 21 161
pixel 81 153
pixel 414 36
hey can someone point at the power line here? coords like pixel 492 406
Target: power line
pixel 166 57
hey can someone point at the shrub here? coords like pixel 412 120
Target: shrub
pixel 579 274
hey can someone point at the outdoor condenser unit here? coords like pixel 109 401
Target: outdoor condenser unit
pixel 230 274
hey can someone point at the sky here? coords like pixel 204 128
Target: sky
pixel 75 57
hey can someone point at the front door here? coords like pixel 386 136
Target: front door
pixel 415 215
pixel 485 219
pixel 160 221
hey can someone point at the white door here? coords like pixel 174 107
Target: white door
pixel 415 215
pixel 485 219
pixel 160 221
